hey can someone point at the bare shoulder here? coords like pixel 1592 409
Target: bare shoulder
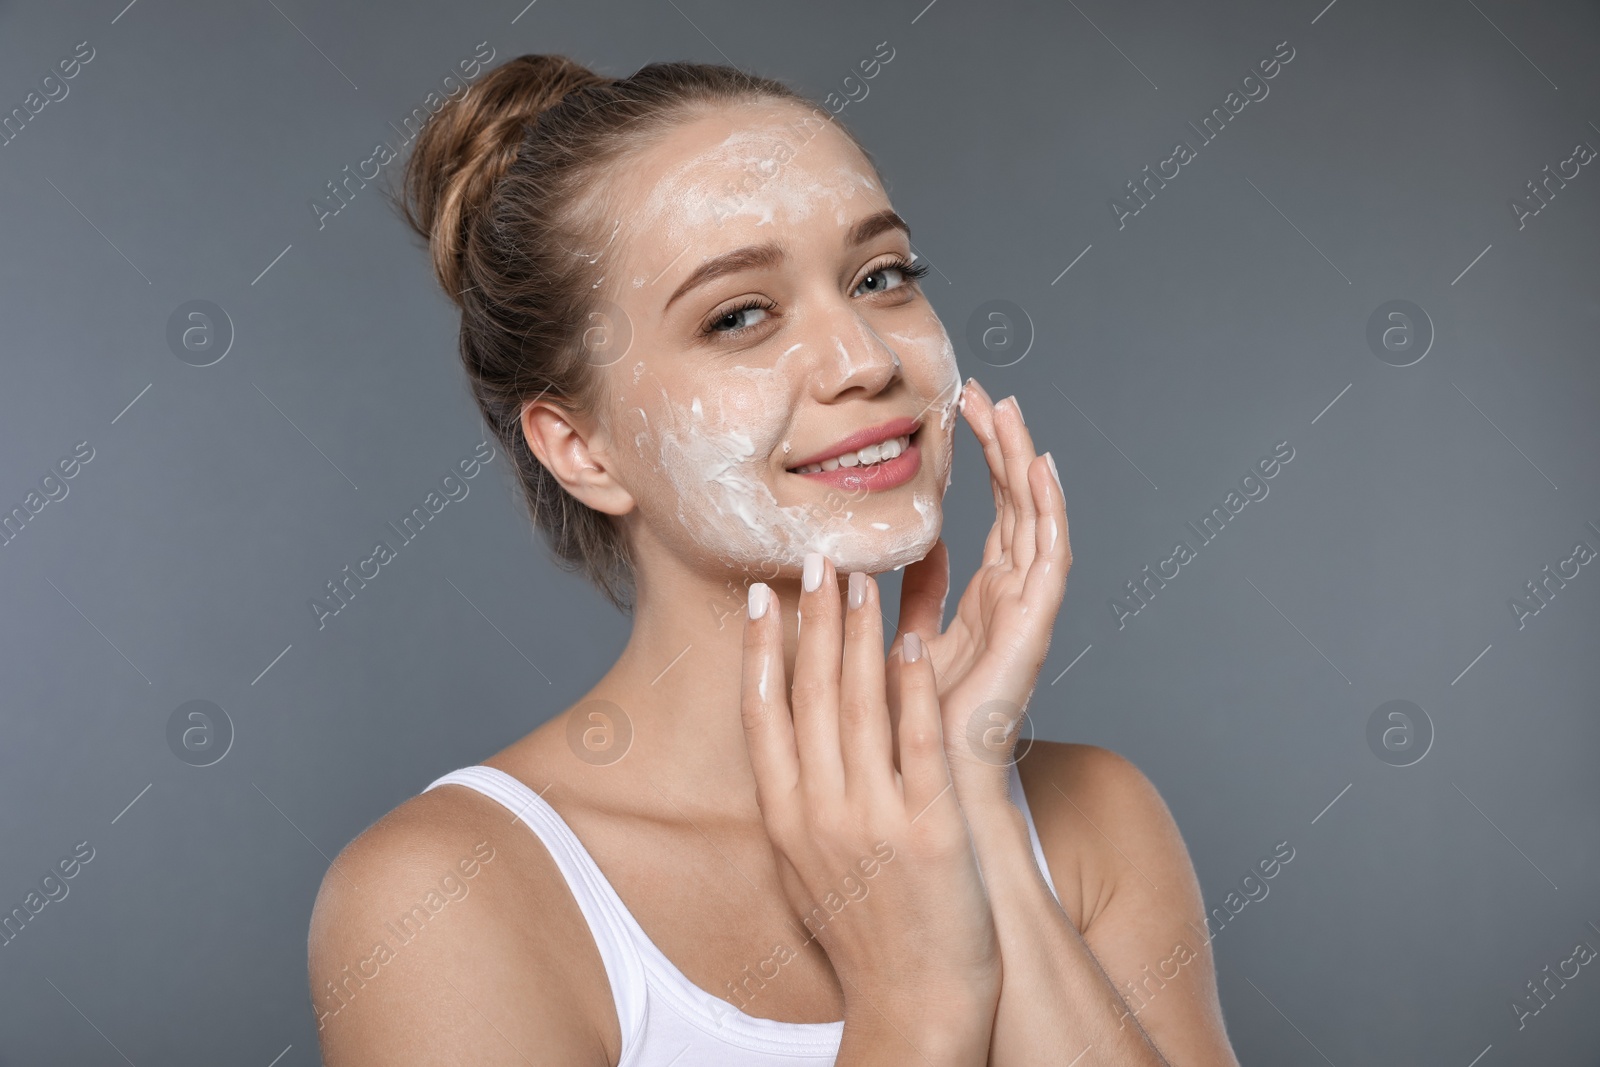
pixel 1141 912
pixel 1084 773
pixel 444 933
pixel 1100 817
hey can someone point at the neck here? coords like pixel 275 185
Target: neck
pixel 679 683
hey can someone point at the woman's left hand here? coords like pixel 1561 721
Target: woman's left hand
pixel 988 660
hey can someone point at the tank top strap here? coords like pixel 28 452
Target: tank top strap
pixel 1020 799
pixel 610 922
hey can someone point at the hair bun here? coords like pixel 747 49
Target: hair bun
pixel 469 144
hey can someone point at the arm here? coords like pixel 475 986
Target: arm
pixel 1056 999
pixel 917 956
pixel 414 962
pixel 1136 984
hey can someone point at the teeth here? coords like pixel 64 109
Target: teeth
pixel 878 453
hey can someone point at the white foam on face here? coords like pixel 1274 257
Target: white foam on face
pixel 723 460
pixel 721 431
pixel 937 353
pixel 757 184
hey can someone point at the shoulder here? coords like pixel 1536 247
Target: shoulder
pixel 1141 911
pixel 1090 782
pixel 1103 817
pixel 434 933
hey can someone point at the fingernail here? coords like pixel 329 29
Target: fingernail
pixel 858 589
pixel 811 575
pixel 760 597
pixel 911 649
pixel 981 390
pixel 1053 472
pixel 1012 400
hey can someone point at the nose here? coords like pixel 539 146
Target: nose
pixel 851 355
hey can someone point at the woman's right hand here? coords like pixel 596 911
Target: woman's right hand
pixel 878 862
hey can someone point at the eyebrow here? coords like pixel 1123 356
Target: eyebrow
pixel 765 256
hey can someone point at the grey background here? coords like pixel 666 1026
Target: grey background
pixel 1225 317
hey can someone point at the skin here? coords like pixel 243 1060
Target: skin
pixel 688 451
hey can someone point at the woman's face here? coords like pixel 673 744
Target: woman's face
pixel 771 331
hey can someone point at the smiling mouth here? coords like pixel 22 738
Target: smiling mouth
pixel 870 456
pixel 872 445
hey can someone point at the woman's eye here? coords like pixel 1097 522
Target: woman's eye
pixel 736 320
pixel 879 273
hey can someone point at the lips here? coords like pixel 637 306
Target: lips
pixel 873 435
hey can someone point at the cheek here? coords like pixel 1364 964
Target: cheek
pixel 931 369
pixel 707 465
pixel 754 401
pixel 703 462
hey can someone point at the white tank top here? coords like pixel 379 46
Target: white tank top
pixel 665 1019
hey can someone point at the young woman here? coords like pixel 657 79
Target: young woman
pixel 691 318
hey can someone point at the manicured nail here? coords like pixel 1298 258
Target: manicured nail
pixel 1053 472
pixel 980 390
pixel 1012 400
pixel 760 597
pixel 911 649
pixel 858 589
pixel 811 575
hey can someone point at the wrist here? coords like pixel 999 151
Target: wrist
pixel 934 1028
pixel 994 819
pixel 1004 851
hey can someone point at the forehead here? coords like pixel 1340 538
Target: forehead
pixel 741 174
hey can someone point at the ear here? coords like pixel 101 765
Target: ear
pixel 577 452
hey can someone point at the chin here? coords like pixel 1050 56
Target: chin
pixel 904 555
pixel 854 547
